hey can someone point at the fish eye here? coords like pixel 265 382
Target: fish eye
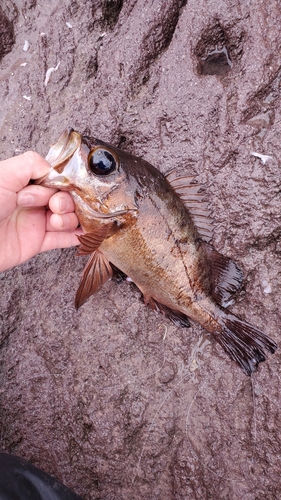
pixel 102 162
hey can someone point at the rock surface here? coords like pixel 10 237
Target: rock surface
pixel 114 400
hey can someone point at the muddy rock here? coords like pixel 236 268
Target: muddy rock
pixel 113 399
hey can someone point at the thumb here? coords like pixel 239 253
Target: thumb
pixel 16 172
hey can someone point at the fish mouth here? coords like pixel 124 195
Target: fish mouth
pixel 58 156
pixel 64 148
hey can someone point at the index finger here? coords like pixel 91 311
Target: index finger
pixel 16 172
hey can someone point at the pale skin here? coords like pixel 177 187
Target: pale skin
pixel 33 218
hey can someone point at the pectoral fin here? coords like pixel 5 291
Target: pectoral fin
pixel 96 273
pixel 91 241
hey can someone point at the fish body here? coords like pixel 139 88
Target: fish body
pixel 156 230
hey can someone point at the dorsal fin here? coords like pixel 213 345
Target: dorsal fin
pixel 227 277
pixel 194 200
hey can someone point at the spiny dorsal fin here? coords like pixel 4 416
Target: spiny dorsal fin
pixel 194 201
pixel 227 277
pixel 96 273
pixel 177 317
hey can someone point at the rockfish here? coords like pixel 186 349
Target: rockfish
pixel 156 230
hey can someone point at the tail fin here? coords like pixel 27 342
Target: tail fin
pixel 244 343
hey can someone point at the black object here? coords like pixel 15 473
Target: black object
pixel 20 480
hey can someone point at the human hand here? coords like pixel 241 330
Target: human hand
pixel 33 218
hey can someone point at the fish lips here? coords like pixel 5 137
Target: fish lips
pixel 64 148
pixel 65 161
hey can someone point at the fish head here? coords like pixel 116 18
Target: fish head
pixel 96 174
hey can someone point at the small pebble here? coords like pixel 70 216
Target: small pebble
pixel 266 287
pixel 26 46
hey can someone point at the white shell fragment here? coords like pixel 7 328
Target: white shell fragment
pixel 23 64
pixel 26 45
pixel 27 97
pixel 266 287
pixel 69 25
pixel 263 158
pixel 49 72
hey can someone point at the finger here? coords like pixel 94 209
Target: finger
pixel 61 203
pixel 64 222
pixel 16 172
pixel 34 196
pixel 60 240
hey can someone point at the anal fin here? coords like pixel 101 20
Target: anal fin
pixel 96 273
pixel 177 317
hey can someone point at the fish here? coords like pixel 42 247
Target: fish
pixel 155 229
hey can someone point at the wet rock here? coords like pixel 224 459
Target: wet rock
pixel 113 399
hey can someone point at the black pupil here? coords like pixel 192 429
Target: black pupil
pixel 102 162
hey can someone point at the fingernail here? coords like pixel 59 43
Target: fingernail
pixel 64 222
pixel 25 199
pixel 63 204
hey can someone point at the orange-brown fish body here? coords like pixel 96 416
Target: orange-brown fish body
pixel 159 255
pixel 152 228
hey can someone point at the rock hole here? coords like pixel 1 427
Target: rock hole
pixel 30 4
pixel 7 35
pixel 110 12
pixel 159 37
pixel 126 140
pixel 73 7
pixel 92 66
pixel 122 141
pixel 159 32
pixel 219 46
pixel 217 62
pixel 145 77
